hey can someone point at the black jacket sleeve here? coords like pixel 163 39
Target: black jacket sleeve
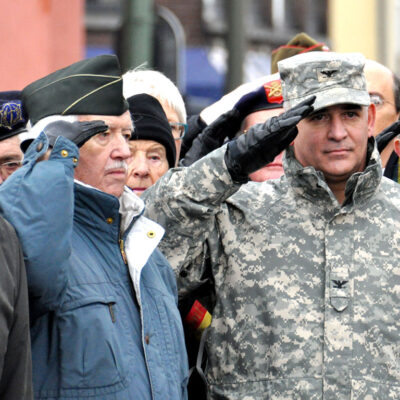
pixel 195 127
pixel 15 347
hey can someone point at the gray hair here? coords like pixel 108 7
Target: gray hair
pixel 156 84
pixel 34 131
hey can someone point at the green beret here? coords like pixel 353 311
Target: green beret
pixel 301 43
pixel 89 87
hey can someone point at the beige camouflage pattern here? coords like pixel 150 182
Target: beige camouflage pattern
pixel 308 291
pixel 334 78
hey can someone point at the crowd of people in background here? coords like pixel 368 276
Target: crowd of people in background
pixel 250 252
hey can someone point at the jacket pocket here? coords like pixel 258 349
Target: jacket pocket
pixel 172 338
pixel 91 352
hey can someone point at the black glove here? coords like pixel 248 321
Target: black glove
pixel 226 126
pixel 195 127
pixel 387 135
pixel 263 142
pixel 213 136
pixel 77 132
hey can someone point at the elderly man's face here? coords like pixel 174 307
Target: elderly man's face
pixel 10 157
pixel 103 159
pixel 147 164
pixel 380 83
pixel 334 140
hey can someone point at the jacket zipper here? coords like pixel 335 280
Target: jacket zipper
pixel 123 254
pixel 122 249
pixel 112 314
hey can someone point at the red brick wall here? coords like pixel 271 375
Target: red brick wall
pixel 38 37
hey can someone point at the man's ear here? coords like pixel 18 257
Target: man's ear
pixel 371 119
pixel 397 145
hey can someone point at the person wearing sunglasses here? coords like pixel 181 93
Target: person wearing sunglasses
pixel 12 123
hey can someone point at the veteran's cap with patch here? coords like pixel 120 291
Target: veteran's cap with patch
pixel 334 78
pixel 12 117
pixel 89 87
pixel 266 97
pixel 273 92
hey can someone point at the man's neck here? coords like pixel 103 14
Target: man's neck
pixel 338 189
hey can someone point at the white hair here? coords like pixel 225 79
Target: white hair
pixel 33 131
pixel 156 84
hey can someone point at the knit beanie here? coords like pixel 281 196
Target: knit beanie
pixel 151 123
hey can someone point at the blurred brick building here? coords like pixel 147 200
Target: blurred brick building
pixel 189 37
pixel 201 28
pixel 39 36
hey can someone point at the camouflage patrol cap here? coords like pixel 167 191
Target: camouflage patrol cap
pixel 334 78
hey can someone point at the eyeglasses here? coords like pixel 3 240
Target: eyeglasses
pixel 178 129
pixel 9 167
pixel 378 100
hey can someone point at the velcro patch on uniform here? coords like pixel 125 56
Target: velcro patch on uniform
pixel 326 74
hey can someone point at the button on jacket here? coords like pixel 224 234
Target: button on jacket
pixel 104 320
pixel 308 290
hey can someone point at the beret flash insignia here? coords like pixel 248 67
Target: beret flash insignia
pixel 10 114
pixel 273 91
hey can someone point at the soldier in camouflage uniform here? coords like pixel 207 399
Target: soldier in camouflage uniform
pixel 306 268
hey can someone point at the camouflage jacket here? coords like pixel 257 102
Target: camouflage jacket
pixel 308 291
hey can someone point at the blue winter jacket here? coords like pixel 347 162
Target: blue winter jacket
pixel 103 299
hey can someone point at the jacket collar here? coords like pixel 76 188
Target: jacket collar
pixel 310 183
pixel 103 210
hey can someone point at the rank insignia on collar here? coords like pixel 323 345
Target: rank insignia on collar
pixel 273 91
pixel 10 114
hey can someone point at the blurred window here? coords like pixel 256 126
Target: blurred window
pixel 272 22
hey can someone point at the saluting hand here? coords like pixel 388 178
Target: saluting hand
pixel 263 142
pixel 77 132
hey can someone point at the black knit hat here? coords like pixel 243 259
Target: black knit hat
pixel 151 123
pixel 89 87
pixel 12 118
